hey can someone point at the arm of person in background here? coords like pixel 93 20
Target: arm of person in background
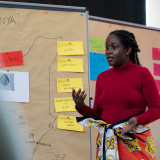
pixel 152 98
pixel 81 107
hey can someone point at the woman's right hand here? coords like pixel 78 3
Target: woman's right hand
pixel 79 98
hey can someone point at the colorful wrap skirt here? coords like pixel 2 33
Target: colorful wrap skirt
pixel 135 145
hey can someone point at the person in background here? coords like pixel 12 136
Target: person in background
pixel 126 101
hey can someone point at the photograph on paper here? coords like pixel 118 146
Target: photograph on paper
pixel 7 81
pixel 12 86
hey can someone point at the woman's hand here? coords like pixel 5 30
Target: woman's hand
pixel 79 98
pixel 130 126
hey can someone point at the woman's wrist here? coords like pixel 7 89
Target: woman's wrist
pixel 79 106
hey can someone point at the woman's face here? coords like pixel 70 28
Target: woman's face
pixel 115 52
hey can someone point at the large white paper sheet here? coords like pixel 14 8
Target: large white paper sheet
pixel 14 86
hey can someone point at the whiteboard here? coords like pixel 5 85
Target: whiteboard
pixel 35 29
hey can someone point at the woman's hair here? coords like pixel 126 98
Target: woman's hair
pixel 128 40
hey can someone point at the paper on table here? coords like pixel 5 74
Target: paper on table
pixel 70 64
pixel 66 84
pixel 68 123
pixel 70 48
pixel 64 104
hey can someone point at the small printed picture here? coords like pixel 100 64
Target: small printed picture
pixel 6 81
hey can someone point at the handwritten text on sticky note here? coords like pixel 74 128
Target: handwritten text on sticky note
pixel 64 104
pixel 70 64
pixel 70 48
pixel 96 44
pixel 66 84
pixel 11 59
pixel 68 123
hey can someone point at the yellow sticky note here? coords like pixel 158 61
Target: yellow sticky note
pixel 64 104
pixel 70 65
pixel 66 84
pixel 70 48
pixel 68 123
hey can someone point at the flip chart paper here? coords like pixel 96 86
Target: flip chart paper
pixel 96 44
pixel 70 48
pixel 14 86
pixel 158 84
pixel 64 104
pixel 156 69
pixel 70 65
pixel 68 123
pixel 66 84
pixel 98 64
pixel 156 53
pixel 11 59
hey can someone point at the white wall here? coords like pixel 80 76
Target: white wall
pixel 153 13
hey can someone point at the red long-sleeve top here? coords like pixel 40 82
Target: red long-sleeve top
pixel 124 92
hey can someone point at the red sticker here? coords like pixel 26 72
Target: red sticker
pixel 11 59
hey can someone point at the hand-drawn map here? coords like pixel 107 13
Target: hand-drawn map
pixel 35 32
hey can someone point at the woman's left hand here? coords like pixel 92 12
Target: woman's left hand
pixel 131 124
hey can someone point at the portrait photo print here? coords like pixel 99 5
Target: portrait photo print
pixel 7 81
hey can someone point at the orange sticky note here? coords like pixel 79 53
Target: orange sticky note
pixel 11 59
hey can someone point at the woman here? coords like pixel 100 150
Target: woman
pixel 122 95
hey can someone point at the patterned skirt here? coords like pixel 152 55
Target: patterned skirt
pixel 136 145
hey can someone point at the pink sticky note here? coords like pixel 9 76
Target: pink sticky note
pixel 156 53
pixel 158 84
pixel 156 69
pixel 11 59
